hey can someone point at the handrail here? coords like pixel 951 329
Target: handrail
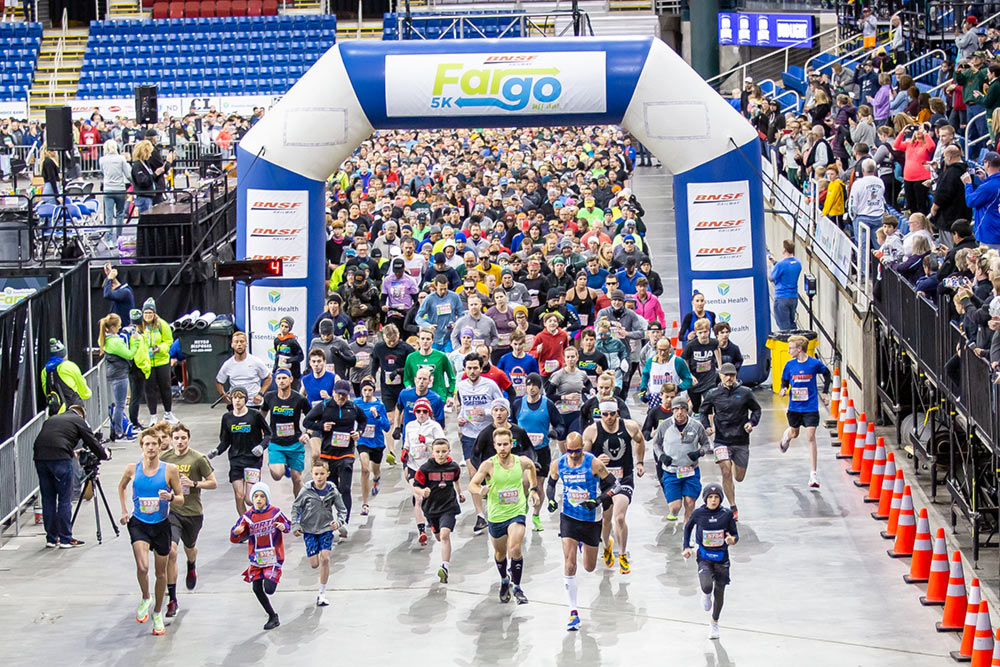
pixel 862 52
pixel 742 68
pixel 968 145
pixel 852 38
pixel 777 96
pixel 944 56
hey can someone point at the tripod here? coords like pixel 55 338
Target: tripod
pixel 94 477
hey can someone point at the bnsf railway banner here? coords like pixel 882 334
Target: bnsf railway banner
pixel 719 226
pixel 278 228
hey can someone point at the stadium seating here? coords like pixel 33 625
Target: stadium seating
pixel 203 56
pixel 176 9
pixel 487 25
pixel 19 44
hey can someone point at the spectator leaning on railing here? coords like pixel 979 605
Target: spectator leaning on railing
pixel 985 201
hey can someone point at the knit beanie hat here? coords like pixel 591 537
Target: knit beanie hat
pixel 149 304
pixel 135 315
pixel 263 488
pixel 56 347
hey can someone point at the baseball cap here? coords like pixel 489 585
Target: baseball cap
pixel 398 263
pixel 554 293
pixel 342 387
pixel 727 369
pixel 679 402
pixel 617 295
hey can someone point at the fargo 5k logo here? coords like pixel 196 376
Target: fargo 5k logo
pixel 509 82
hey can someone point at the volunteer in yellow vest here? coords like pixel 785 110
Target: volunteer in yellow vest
pixel 67 386
pixel 158 337
pixel 499 480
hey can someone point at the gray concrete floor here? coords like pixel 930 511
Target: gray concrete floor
pixel 811 581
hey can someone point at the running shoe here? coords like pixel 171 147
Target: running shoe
pixel 706 601
pixel 375 485
pixel 364 510
pixel 505 590
pixel 671 517
pixel 713 630
pixel 171 608
pixel 288 472
pixel 443 574
pixel 480 525
pixel 192 577
pixel 272 623
pixel 343 530
pixel 321 600
pixel 51 545
pixel 813 480
pixel 157 623
pixel 390 458
pixel 537 522
pixel 520 596
pixel 786 440
pixel 609 555
pixel 736 513
pixel 574 622
pixel 142 613
pixel 71 544
pixel 623 565
pixel 169 418
pixel 423 537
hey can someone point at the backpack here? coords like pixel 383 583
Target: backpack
pixel 125 428
pixel 55 398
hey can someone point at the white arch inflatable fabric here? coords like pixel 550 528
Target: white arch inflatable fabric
pixel 639 83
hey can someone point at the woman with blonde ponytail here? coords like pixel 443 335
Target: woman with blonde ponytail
pixel 118 356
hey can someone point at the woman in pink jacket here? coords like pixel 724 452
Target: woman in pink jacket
pixel 919 148
pixel 647 304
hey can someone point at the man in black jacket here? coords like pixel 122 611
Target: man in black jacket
pixel 732 412
pixel 961 237
pixel 949 195
pixel 54 453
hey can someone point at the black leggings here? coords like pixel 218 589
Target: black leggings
pixel 342 474
pixel 916 196
pixel 137 390
pixel 711 583
pixel 158 386
pixel 262 588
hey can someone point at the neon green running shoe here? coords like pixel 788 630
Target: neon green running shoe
pixel 537 523
pixel 157 623
pixel 142 613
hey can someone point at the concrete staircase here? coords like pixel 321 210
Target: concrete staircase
pixel 56 83
pixel 127 9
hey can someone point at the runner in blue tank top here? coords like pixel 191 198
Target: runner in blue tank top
pixel 586 485
pixel 536 414
pixel 155 485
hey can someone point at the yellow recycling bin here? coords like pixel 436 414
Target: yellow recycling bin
pixel 778 344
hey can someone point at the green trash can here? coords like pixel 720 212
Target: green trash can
pixel 777 342
pixel 204 352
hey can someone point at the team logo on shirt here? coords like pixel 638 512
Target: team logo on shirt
pixel 239 428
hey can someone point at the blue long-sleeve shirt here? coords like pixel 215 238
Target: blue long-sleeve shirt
pixel 898 103
pixel 785 276
pixel 409 396
pixel 122 300
pixel 709 528
pixel 376 425
pixel 984 201
pixel 441 311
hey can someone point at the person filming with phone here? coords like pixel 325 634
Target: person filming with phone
pixel 984 200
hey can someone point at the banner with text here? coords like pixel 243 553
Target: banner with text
pixel 268 305
pixel 719 226
pixel 731 299
pixel 173 106
pixel 14 109
pixel 278 228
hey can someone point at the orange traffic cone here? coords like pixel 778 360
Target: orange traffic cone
pixel 834 400
pixel 859 446
pixel 920 566
pixel 850 432
pixel 897 501
pixel 878 472
pixel 937 581
pixel 996 650
pixel 888 484
pixel 842 417
pixel 982 643
pixel 964 654
pixel 955 603
pixel 906 530
pixel 867 458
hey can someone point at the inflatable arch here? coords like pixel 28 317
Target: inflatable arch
pixel 638 83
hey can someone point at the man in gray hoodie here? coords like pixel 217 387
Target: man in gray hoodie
pixel 483 327
pixel 678 444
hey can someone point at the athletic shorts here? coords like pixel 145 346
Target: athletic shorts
pixel 468 446
pixel 570 424
pixel 157 535
pixel 799 419
pixel 408 473
pixel 254 572
pixel 185 528
pixel 374 453
pixel 294 457
pixel 390 396
pixel 719 570
pixel 674 489
pixel 738 454
pixel 316 543
pixel 626 487
pixel 498 530
pixel 588 532
pixel 544 456
pixel 439 521
pixel 236 473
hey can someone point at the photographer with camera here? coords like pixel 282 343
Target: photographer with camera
pixel 53 454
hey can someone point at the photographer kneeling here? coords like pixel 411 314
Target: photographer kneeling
pixel 54 452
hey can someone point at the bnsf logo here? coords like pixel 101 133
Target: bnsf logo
pixel 727 250
pixel 719 224
pixel 266 231
pixel 275 204
pixel 726 196
pixel 286 258
pixel 509 59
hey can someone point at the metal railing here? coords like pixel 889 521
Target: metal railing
pixel 525 24
pixel 718 79
pixel 797 99
pixel 18 477
pixel 968 126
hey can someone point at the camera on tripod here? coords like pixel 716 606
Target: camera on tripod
pixel 88 461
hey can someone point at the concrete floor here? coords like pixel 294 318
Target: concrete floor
pixel 811 581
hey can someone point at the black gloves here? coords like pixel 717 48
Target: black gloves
pixel 665 460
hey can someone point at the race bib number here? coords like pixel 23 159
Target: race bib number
pixel 443 309
pixel 577 496
pixel 508 496
pixel 476 342
pixel 529 340
pixel 684 471
pixel 419 450
pixel 536 439
pixel 330 368
pixel 265 556
pixel 721 453
pixel 551 365
pixel 363 359
pixel 369 431
pixel 149 505
pixel 569 404
pixel 504 340
pixel 475 414
pixel 534 299
pixel 283 361
pixel 284 430
pixel 339 439
pixel 800 393
pixel 617 472
pixel 251 475
pixel 713 538
pixel 703 366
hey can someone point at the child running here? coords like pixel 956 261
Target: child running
pixel 261 527
pixel 714 529
pixel 315 523
pixel 418 439
pixel 441 492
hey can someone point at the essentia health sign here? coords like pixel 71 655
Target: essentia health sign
pixel 719 226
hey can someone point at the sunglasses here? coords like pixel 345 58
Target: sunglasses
pixel 574 452
pixel 417 412
pixel 608 414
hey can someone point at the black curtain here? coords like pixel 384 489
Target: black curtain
pixel 13 323
pixel 46 322
pixel 76 10
pixel 77 321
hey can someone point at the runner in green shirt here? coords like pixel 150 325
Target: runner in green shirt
pixel 442 373
pixel 500 480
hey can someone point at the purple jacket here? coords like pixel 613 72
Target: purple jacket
pixel 880 103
